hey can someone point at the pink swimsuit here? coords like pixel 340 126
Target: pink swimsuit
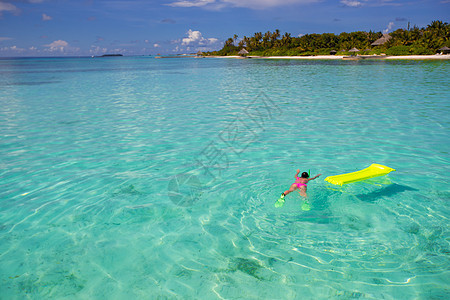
pixel 300 184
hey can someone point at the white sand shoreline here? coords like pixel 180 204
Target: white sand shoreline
pixel 337 57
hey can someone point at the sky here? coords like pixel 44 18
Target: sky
pixel 148 27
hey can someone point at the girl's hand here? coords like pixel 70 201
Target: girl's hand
pixel 298 170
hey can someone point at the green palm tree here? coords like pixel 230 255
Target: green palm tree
pixel 275 35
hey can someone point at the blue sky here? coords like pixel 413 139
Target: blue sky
pixel 135 27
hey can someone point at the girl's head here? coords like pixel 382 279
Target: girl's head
pixel 305 175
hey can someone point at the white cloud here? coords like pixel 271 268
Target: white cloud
pixel 15 48
pixel 9 8
pixel 351 3
pixel 195 41
pixel 5 39
pixel 195 37
pixel 192 3
pixel 213 40
pixel 46 17
pixel 6 6
pixel 12 49
pixel 389 27
pixel 254 4
pixel 259 4
pixel 61 46
pixel 97 50
pixel 119 50
pixel 156 45
pixel 57 45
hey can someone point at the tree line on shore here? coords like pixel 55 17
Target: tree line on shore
pixel 409 41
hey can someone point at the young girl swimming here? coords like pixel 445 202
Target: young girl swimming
pixel 300 184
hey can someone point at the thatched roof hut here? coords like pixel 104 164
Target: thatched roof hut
pixel 385 38
pixel 353 50
pixel 445 50
pixel 243 52
pixel 333 52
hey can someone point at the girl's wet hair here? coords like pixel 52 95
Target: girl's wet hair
pixel 305 175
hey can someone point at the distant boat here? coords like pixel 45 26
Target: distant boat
pixel 353 57
pixel 359 57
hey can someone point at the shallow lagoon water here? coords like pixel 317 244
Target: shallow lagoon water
pixel 156 178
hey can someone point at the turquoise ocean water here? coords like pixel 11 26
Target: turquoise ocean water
pixel 142 178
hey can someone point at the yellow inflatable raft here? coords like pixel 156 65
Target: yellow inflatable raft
pixel 373 171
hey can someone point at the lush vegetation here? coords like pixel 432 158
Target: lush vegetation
pixel 411 41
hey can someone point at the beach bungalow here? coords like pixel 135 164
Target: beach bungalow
pixel 243 52
pixel 385 38
pixel 445 50
pixel 353 50
pixel 333 52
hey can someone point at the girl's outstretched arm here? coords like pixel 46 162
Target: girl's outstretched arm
pixel 296 175
pixel 314 177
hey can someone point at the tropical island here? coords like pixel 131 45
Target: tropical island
pixel 430 40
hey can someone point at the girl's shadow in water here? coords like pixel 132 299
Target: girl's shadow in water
pixel 388 191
